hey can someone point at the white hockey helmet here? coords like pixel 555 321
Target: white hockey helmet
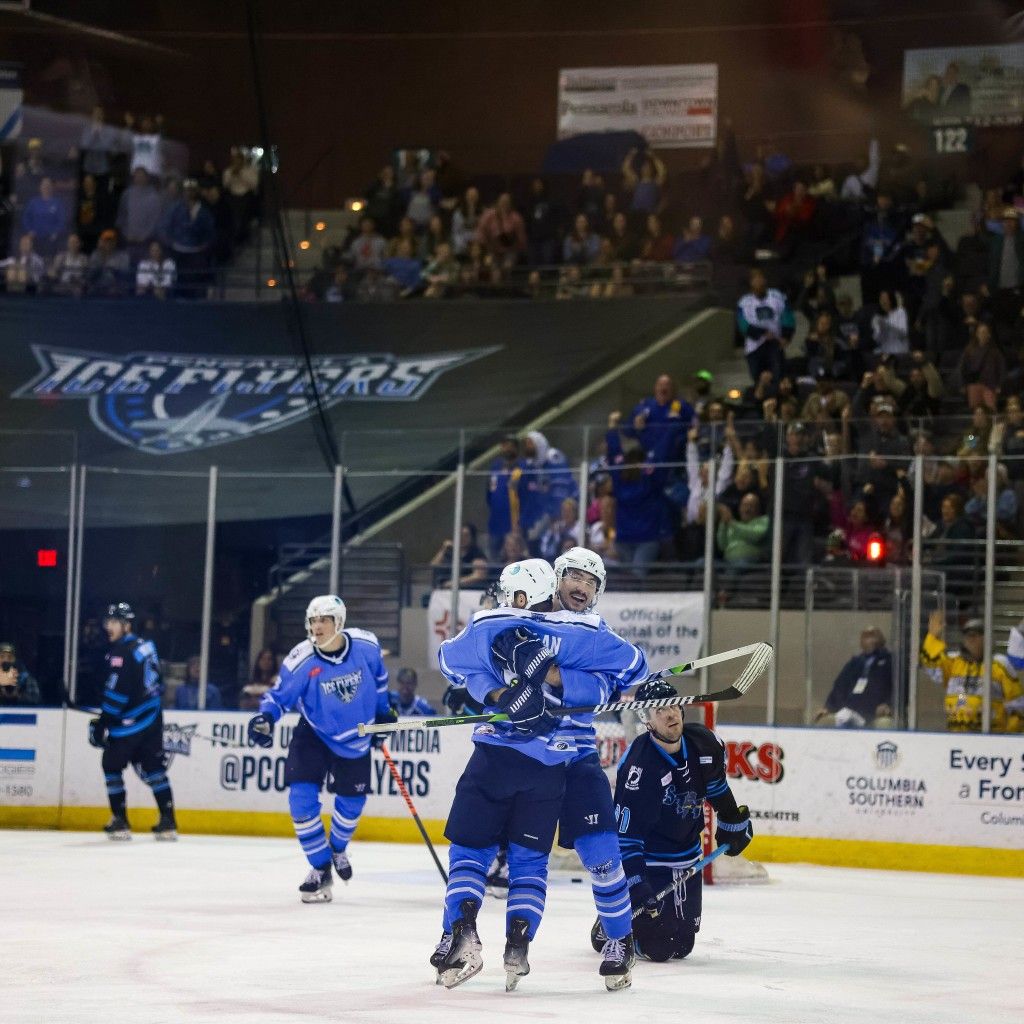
pixel 329 605
pixel 533 576
pixel 584 560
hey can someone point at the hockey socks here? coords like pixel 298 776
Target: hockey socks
pixel 344 820
pixel 467 877
pixel 158 782
pixel 599 852
pixel 304 805
pixel 527 887
pixel 115 793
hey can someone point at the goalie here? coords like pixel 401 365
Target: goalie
pixel 662 782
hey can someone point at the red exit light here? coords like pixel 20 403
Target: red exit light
pixel 46 558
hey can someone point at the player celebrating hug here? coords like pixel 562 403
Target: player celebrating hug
pixel 523 663
pixel 337 680
pixel 662 782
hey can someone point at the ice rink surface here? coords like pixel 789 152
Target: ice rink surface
pixel 210 929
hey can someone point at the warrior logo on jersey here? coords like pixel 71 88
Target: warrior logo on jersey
pixel 344 686
pixel 162 403
pixel 178 740
pixel 633 778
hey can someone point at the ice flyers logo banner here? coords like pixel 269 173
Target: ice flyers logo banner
pixel 162 403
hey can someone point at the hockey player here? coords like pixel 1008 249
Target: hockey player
pixel 337 680
pixel 586 823
pixel 130 728
pixel 662 782
pixel 513 785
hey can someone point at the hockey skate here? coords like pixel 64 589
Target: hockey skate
pixel 342 865
pixel 616 967
pixel 465 957
pixel 317 886
pixel 598 937
pixel 440 952
pixel 118 828
pixel 165 830
pixel 516 947
pixel 497 877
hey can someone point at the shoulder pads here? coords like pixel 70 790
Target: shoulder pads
pixel 362 634
pixel 297 655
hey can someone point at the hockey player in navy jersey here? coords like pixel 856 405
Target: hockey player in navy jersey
pixel 662 782
pixel 130 728
pixel 523 663
pixel 336 680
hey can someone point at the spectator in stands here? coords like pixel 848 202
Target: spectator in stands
pixel 564 528
pixel 793 215
pixel 240 182
pixel 755 204
pixel 138 213
pixel 890 327
pixel 472 560
pixel 1010 442
pixel 806 483
pixel 918 399
pixel 660 421
pixel 656 244
pixel 827 350
pixel 156 275
pixel 403 698
pixel 191 231
pixel 338 290
pixel 424 199
pixel 640 507
pixel 949 546
pixel 742 540
pixel 146 145
pixel 590 195
pixel 503 495
pixel 376 286
pixel 616 287
pixel 466 220
pixel 109 272
pixel 982 369
pixel 1006 266
pixel 25 271
pixel 861 695
pixel 766 325
pixel 976 508
pixel 857 527
pixel 223 245
pixel 92 215
pixel 897 530
pixel 68 270
pixel 826 401
pixel 581 245
pixel 97 145
pixel 434 236
pixel 18 687
pixel 441 274
pixel 46 218
pixel 690 538
pixel 623 241
pixel 693 245
pixel 645 187
pixel 879 248
pixel 816 296
pixel 186 697
pixel 502 232
pixel 404 268
pixel 264 668
pixel 547 481
pixel 513 548
pixel 368 248
pixel 963 675
pixel 543 225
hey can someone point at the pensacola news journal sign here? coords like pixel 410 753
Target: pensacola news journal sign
pixel 673 106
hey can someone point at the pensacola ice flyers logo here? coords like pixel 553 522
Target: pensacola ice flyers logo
pixel 178 740
pixel 162 403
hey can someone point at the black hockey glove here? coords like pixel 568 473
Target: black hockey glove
pixel 735 830
pixel 526 708
pixel 644 898
pixel 458 701
pixel 261 730
pixel 523 653
pixel 378 739
pixel 97 733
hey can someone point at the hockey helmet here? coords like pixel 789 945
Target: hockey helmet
pixel 122 611
pixel 656 689
pixel 533 576
pixel 329 605
pixel 584 560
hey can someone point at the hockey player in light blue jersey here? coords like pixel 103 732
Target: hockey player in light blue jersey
pixel 524 663
pixel 336 680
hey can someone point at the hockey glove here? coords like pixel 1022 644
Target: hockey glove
pixel 643 898
pixel 378 739
pixel 97 733
pixel 458 701
pixel 735 830
pixel 523 653
pixel 261 730
pixel 526 708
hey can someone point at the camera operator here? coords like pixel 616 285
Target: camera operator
pixel 17 685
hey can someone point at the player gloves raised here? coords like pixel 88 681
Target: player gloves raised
pixel 735 829
pixel 522 652
pixel 97 733
pixel 378 739
pixel 526 708
pixel 261 730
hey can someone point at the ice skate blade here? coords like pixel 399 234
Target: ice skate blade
pixel 473 963
pixel 119 837
pixel 512 979
pixel 165 837
pixel 323 896
pixel 615 982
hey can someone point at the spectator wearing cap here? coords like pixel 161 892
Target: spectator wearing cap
pixel 861 694
pixel 963 674
pixel 18 687
pixel 703 381
pixel 1006 266
pixel 826 401
pixel 404 699
pixel 766 324
pixel 109 272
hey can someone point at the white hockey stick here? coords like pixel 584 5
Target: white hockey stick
pixel 760 653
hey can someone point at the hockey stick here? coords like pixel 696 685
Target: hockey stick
pixel 412 810
pixel 760 658
pixel 229 744
pixel 686 875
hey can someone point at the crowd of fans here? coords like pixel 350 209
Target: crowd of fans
pixel 109 218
